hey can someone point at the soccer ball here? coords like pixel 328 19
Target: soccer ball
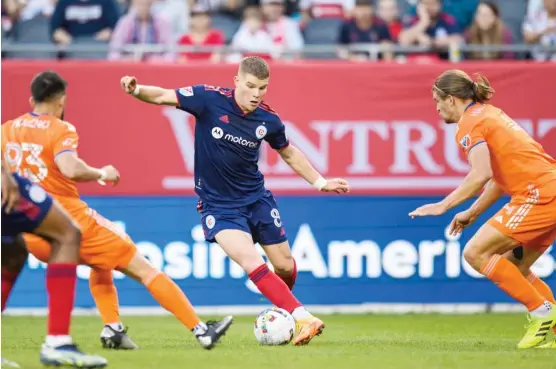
pixel 274 326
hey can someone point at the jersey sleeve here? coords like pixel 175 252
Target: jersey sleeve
pixel 471 136
pixel 192 99
pixel 278 139
pixel 65 140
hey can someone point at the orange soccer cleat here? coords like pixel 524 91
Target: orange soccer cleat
pixel 307 329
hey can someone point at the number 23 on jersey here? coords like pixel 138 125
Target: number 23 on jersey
pixel 24 158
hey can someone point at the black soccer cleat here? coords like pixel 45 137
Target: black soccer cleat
pixel 215 331
pixel 111 338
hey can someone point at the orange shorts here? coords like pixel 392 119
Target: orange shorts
pixel 103 244
pixel 530 219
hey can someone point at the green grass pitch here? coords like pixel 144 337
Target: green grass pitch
pixel 349 342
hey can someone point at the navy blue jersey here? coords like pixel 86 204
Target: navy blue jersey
pixel 350 33
pixel 227 143
pixel 33 206
pixel 84 18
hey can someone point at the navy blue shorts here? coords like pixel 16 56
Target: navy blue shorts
pixel 260 219
pixel 28 213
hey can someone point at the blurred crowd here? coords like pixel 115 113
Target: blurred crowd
pixel 269 28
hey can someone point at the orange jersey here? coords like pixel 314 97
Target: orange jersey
pixel 518 162
pixel 30 145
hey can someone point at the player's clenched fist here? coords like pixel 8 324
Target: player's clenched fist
pixel 111 174
pixel 128 84
pixel 338 185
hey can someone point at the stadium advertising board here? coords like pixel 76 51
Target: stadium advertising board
pixel 349 251
pixel 376 125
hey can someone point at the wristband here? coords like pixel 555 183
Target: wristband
pixel 320 183
pixel 136 91
pixel 103 176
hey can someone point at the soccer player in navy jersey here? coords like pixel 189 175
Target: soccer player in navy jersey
pixel 26 207
pixel 236 208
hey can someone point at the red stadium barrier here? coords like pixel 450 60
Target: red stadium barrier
pixel 374 124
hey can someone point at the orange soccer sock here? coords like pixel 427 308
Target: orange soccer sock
pixel 105 295
pixel 541 287
pixel 171 298
pixel 510 280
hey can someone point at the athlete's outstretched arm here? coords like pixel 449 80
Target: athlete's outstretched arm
pixel 301 165
pixel 465 218
pixel 480 174
pixel 489 196
pixel 149 94
pixel 75 168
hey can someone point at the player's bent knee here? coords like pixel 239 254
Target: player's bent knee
pixel 473 256
pixel 139 269
pixel 74 236
pixel 250 265
pixel 284 265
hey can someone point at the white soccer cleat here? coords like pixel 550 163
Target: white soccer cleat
pixel 215 331
pixel 70 356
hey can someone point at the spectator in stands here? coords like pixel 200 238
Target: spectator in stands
pixel 177 13
pixel 201 34
pixel 90 19
pixel 325 9
pixel 540 28
pixel 534 6
pixel 285 32
pixel 463 10
pixel 34 8
pixel 11 11
pixel 140 26
pixel 123 6
pixel 388 11
pixel 488 29
pixel 231 8
pixel 431 28
pixel 364 28
pixel 291 7
pixel 252 38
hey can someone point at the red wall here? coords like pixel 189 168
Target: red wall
pixel 375 124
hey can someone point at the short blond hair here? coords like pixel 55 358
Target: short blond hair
pixel 255 66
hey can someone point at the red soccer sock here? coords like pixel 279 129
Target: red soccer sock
pixel 274 289
pixel 60 284
pixel 8 281
pixel 289 279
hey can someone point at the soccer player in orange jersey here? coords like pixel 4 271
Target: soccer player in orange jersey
pixel 43 147
pixel 503 159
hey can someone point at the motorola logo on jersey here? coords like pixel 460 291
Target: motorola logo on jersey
pixel 217 133
pixel 241 141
